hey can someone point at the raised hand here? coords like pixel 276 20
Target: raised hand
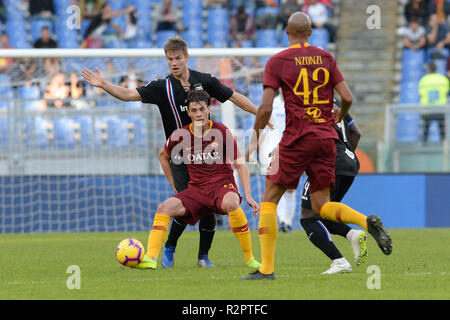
pixel 255 206
pixel 95 79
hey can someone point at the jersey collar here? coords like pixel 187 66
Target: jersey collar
pixel 300 45
pixel 192 131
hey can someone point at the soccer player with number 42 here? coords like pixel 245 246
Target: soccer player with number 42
pixel 307 76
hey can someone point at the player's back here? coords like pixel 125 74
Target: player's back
pixel 307 76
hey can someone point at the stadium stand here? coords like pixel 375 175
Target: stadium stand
pixel 203 25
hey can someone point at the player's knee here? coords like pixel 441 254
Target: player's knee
pixel 317 206
pixel 162 208
pixel 230 204
pixel 307 213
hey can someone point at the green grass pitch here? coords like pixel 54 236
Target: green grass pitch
pixel 34 266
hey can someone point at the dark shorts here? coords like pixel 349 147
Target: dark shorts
pixel 201 202
pixel 180 176
pixel 342 184
pixel 315 157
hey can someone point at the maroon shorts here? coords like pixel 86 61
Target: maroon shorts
pixel 315 157
pixel 200 202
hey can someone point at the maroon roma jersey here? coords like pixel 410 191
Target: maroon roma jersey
pixel 209 158
pixel 307 76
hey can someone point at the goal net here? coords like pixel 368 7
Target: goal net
pixel 75 159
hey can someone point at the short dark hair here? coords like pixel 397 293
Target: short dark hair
pixel 176 44
pixel 197 96
pixel 431 67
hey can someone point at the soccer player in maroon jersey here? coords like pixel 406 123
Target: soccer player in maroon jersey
pixel 209 151
pixel 307 76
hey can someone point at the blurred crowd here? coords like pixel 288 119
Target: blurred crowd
pixel 43 24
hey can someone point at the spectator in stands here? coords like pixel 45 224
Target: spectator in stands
pixel 167 16
pixel 132 79
pixel 2 12
pixel 440 7
pixel 234 4
pixel 5 63
pixel 216 3
pixel 90 8
pixel 319 16
pixel 46 42
pixel 286 10
pixel 41 9
pixel 57 90
pixel 433 89
pixel 267 20
pixel 414 36
pixel 131 28
pixel 438 35
pixel 77 90
pixel 328 3
pixel 94 32
pixel 26 70
pixel 111 74
pixel 242 25
pixel 417 9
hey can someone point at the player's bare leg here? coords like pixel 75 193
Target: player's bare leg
pixel 239 226
pixel 172 207
pixel 268 231
pixel 339 212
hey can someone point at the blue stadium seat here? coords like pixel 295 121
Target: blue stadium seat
pixel 85 130
pixel 441 66
pixel 319 38
pixel 284 41
pixel 114 43
pixel 36 132
pixel 139 129
pixel 6 90
pixel 30 92
pixel 17 33
pixel 64 133
pixel 247 122
pixel 267 10
pixel 413 59
pixel 163 35
pixel 433 133
pixel 218 18
pixel 61 6
pixel 407 127
pixel 117 131
pixel 409 92
pixel 4 127
pixel 255 92
pixel 194 38
pixel 266 38
pixel 216 36
pixel 412 74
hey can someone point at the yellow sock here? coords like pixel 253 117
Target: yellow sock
pixel 158 235
pixel 239 225
pixel 340 212
pixel 268 232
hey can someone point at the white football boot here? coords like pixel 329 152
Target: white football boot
pixel 339 266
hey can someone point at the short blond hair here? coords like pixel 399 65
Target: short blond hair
pixel 176 44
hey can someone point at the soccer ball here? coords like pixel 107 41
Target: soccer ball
pixel 130 252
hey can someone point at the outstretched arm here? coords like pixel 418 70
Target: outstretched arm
pixel 97 79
